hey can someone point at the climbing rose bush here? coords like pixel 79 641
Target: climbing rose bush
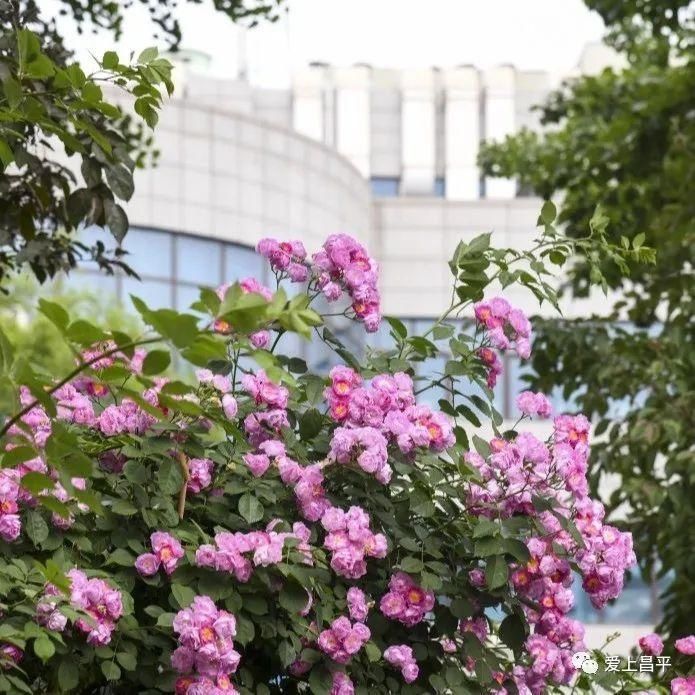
pixel 250 527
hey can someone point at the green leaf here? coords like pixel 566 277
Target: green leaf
pixel 36 528
pixel 287 653
pixel 37 482
pixel 110 60
pixel 68 674
pixel 124 508
pixel 442 332
pixel 128 661
pixel 430 581
pixel 84 332
pixel 110 670
pixel 250 508
pixel 169 477
pixel 512 632
pixel 166 619
pixel 135 472
pixel 411 564
pixel 310 424
pixel 44 648
pixel 122 557
pixel 6 154
pixel 638 241
pixel 461 608
pixel 54 313
pixel 478 244
pixel 517 548
pixel 120 180
pixel 557 257
pixel 256 605
pixel 548 213
pixel 488 546
pixel 485 527
pixel 496 571
pixel 116 221
pixel 180 329
pixel 148 55
pixel 28 44
pixel 245 630
pixel 293 597
pixel 57 507
pixel 398 326
pixel 156 362
pixel 320 681
pixel 13 91
pixel 41 67
pixel 183 595
pixel 18 455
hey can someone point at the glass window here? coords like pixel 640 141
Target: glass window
pixel 381 340
pixel 155 293
pixel 98 283
pixel 440 187
pixel 385 187
pixel 318 356
pixel 634 606
pixel 290 344
pixel 515 383
pixel 240 262
pixel 198 261
pixel 427 372
pixel 350 333
pixel 149 252
pixel 186 295
pixel 90 235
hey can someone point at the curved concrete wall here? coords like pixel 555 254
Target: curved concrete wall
pixel 228 176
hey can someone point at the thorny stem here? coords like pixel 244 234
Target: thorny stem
pixel 183 463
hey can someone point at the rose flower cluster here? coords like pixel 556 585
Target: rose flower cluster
pixel 376 414
pixel 205 656
pixel 341 266
pixel 505 327
pixel 95 597
pixel 368 425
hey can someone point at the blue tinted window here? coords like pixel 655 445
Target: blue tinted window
pixel 381 340
pixel 104 285
pixel 90 235
pixel 241 263
pixel 427 372
pixel 186 295
pixel 318 356
pixel 198 261
pixel 290 344
pixel 384 187
pixel 634 606
pixel 149 252
pixel 440 187
pixel 156 294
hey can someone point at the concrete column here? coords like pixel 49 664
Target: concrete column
pixel 418 132
pixel 308 102
pixel 500 121
pixel 462 126
pixel 352 115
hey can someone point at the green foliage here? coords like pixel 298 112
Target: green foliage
pixel 56 120
pixel 626 140
pixel 432 534
pixel 35 335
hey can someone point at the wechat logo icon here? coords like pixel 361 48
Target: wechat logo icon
pixel 585 662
